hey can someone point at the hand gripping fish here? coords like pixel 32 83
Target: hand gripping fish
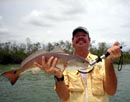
pixel 65 60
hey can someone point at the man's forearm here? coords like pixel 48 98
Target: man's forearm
pixel 110 79
pixel 62 90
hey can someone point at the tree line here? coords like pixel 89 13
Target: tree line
pixel 13 53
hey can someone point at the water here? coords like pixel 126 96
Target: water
pixel 123 89
pixel 40 88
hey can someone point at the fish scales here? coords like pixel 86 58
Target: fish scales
pixel 28 63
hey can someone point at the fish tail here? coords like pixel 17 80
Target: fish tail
pixel 12 76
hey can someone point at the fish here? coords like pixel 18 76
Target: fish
pixel 64 59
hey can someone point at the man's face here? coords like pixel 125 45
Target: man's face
pixel 81 40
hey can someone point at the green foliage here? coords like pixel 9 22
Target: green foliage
pixel 12 53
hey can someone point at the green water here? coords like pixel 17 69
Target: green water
pixel 39 88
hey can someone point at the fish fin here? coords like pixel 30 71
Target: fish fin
pixel 12 76
pixel 32 56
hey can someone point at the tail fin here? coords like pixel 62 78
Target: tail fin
pixel 12 76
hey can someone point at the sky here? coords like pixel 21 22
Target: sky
pixel 54 20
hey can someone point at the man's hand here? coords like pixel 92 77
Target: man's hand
pixel 50 66
pixel 115 52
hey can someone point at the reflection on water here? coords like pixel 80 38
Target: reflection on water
pixel 40 87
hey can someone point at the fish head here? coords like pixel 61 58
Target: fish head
pixel 76 64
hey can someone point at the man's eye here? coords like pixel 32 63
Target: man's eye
pixel 77 36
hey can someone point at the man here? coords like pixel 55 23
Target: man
pixel 75 86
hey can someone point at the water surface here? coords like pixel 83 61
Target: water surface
pixel 40 87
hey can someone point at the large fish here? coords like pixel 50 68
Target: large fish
pixel 66 60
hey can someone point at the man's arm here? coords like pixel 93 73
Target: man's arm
pixel 62 90
pixel 110 83
pixel 50 68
